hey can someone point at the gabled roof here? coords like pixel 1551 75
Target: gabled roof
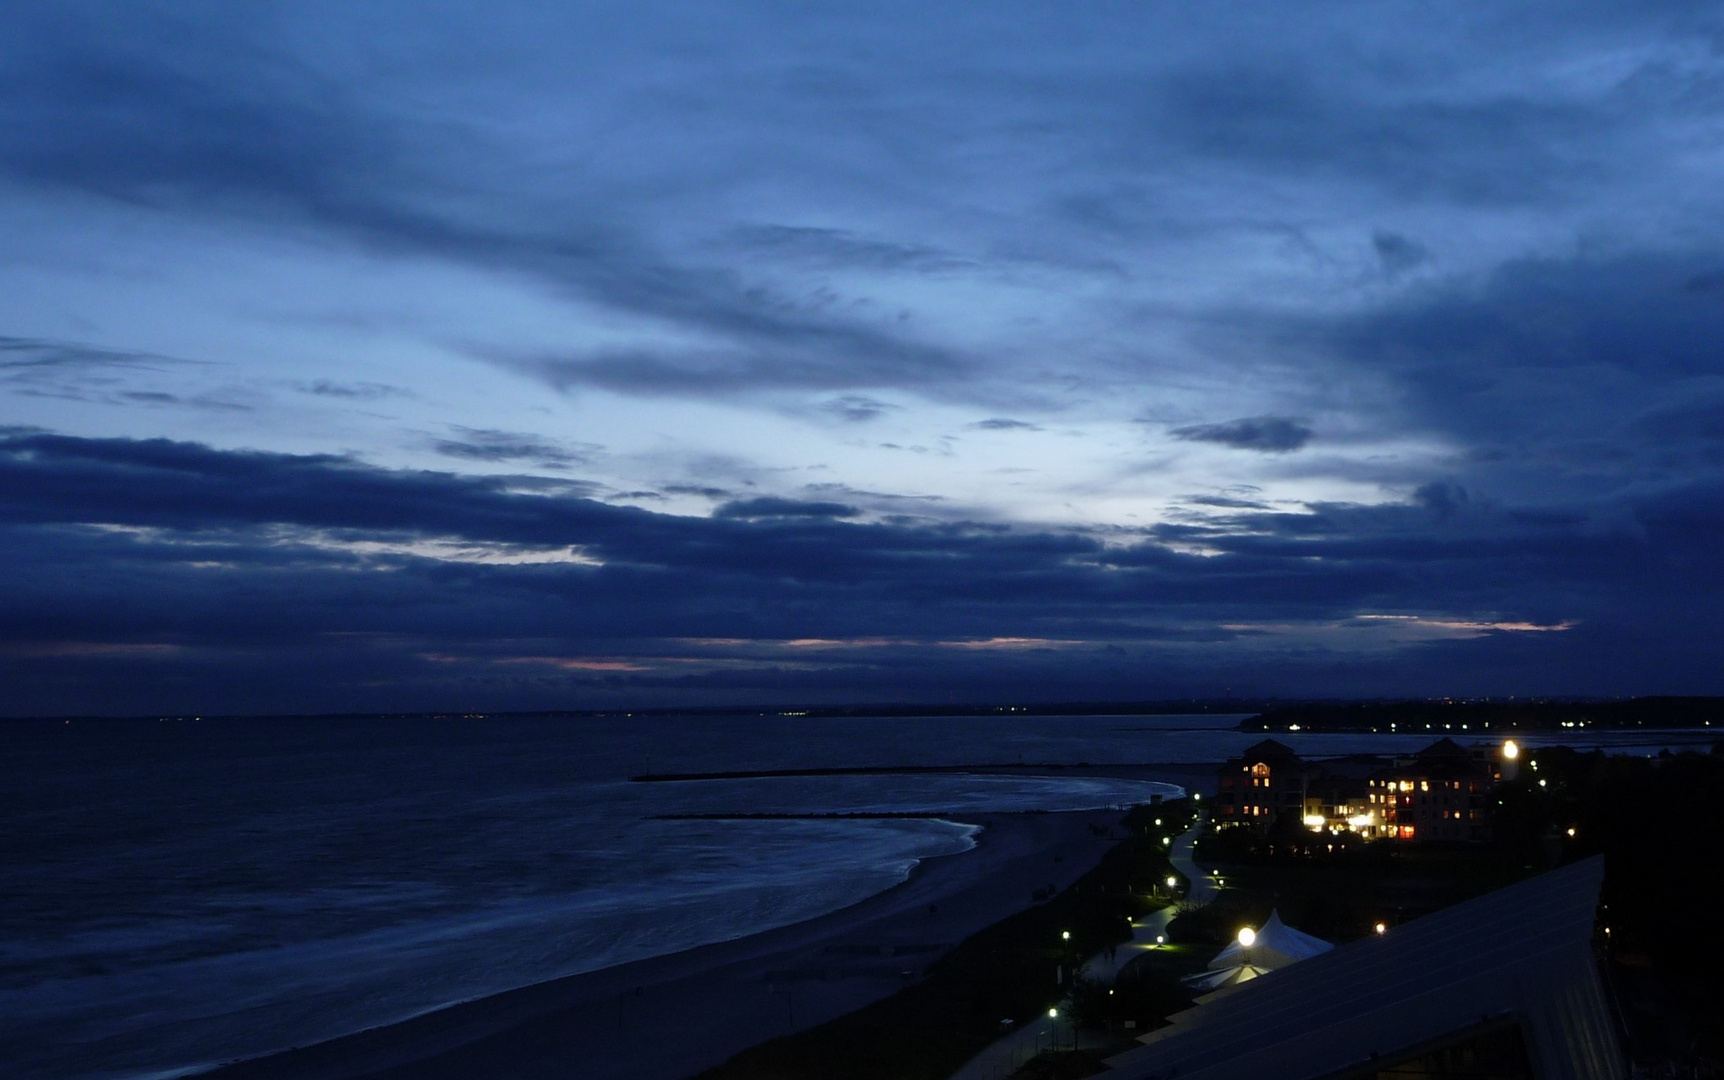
pixel 1444 749
pixel 1520 955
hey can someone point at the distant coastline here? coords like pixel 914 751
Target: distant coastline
pixel 1476 715
pixel 1259 714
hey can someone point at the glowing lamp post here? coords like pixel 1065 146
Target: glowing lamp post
pixel 1511 759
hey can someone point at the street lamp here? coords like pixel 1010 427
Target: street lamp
pixel 1247 936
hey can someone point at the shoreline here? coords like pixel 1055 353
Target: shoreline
pixel 718 999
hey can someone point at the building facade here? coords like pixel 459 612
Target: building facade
pixel 1443 793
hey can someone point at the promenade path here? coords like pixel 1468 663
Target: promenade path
pixel 1008 1054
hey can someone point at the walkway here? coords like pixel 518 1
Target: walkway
pixel 1008 1054
pixel 1105 966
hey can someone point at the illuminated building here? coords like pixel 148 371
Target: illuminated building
pixel 1440 794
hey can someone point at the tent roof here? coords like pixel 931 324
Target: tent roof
pixel 1215 978
pixel 1277 945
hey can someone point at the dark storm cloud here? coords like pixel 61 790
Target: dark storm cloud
pixel 173 558
pixel 1265 434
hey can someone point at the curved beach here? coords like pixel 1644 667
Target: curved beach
pixel 670 1016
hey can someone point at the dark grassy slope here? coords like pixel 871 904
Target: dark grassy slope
pixel 929 1029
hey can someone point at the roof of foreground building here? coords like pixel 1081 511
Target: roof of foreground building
pixel 1516 960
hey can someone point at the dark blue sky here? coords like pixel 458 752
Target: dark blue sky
pixel 411 356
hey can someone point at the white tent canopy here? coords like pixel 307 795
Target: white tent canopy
pixel 1276 946
pixel 1216 978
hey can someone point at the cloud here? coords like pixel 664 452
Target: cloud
pixel 843 249
pixel 702 490
pixel 1226 502
pixel 1548 374
pixel 201 401
pixel 490 446
pixel 1264 434
pixel 770 507
pixel 1398 254
pixel 249 568
pixel 211 120
pixel 353 391
pixel 74 371
pixel 1000 423
pixel 857 408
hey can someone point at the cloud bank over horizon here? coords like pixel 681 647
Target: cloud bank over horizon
pixel 437 359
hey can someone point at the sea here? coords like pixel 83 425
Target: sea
pixel 179 893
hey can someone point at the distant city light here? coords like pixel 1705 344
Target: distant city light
pixel 1053 1013
pixel 1571 830
pixel 1065 935
pixel 1510 750
pixel 1169 839
pixel 1381 929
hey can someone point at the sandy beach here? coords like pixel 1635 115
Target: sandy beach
pixel 671 1016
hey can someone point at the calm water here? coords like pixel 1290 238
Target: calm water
pixel 178 894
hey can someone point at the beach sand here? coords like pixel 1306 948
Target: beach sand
pixel 671 1016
